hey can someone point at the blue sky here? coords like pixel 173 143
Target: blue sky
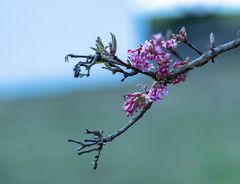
pixel 36 35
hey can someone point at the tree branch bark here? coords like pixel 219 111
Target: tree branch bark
pixel 204 58
pixel 111 137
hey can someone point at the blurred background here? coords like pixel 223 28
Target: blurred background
pixel 192 136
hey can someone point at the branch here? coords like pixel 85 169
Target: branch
pixel 90 61
pixel 176 54
pixel 192 47
pixel 111 137
pixel 135 70
pixel 202 60
pixel 114 64
pixel 100 141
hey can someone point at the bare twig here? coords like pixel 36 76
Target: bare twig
pixel 204 58
pixel 111 137
pixel 212 44
pixel 90 61
pixel 100 141
pixel 113 64
pixel 186 41
pixel 128 66
pixel 176 54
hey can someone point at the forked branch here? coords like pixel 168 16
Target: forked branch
pixel 99 140
pixel 205 57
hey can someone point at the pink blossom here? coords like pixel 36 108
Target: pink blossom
pixel 180 78
pixel 182 33
pixel 151 56
pixel 141 57
pixel 139 62
pixel 157 92
pixel 148 47
pixel 162 70
pixel 164 59
pixel 157 38
pixel 150 51
pixel 171 43
pixel 134 102
pixel 163 65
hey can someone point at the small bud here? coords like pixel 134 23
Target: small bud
pixel 183 32
pixel 99 44
pixel 113 44
pixel 183 29
pixel 110 48
pixel 182 36
pixel 212 40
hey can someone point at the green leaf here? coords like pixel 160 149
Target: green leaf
pixel 110 48
pixel 97 50
pixel 114 44
pixel 99 43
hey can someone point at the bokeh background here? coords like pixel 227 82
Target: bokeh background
pixel 192 136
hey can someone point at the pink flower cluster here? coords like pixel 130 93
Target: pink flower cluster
pixel 157 92
pixel 152 56
pixel 181 77
pixel 134 102
pixel 171 43
pixel 137 101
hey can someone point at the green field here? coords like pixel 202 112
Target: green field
pixel 192 136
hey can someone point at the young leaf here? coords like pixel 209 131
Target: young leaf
pixel 100 44
pixel 114 44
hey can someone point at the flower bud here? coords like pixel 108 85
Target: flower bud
pixel 212 40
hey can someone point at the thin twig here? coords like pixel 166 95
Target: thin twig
pixel 204 58
pixel 100 141
pixel 128 66
pixel 87 151
pixel 111 137
pixel 77 56
pixel 176 54
pixel 192 47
